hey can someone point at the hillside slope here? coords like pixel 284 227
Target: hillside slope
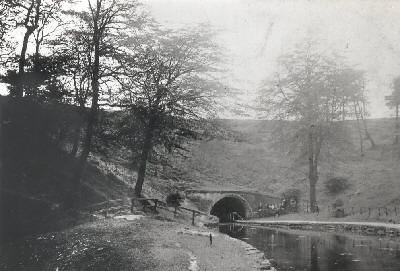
pixel 37 167
pixel 36 170
pixel 252 163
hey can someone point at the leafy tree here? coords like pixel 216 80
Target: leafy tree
pixel 30 15
pixel 77 49
pixel 5 26
pixel 350 84
pixel 305 100
pixel 103 28
pixel 170 83
pixel 393 101
pixel 41 82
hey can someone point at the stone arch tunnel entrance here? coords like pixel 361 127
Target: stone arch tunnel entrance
pixel 230 207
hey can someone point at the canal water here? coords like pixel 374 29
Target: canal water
pixel 297 250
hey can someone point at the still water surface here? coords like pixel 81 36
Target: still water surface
pixel 296 250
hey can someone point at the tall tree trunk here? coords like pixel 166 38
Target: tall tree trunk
pixel 77 135
pixel 22 59
pixel 343 110
pixel 92 119
pixel 357 114
pixel 313 169
pixel 77 130
pixel 21 65
pixel 367 134
pixel 146 149
pixel 364 121
pixel 314 266
pixel 397 124
pixel 313 178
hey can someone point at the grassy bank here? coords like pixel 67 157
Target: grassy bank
pixel 149 243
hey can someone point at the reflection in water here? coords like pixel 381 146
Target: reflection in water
pixel 320 251
pixel 314 254
pixel 235 231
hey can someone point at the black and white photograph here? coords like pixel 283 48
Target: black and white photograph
pixel 199 135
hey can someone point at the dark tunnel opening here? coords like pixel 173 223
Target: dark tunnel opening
pixel 229 208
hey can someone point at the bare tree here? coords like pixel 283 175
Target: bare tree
pixel 49 21
pixel 350 84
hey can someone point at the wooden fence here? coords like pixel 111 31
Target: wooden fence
pixel 154 203
pixel 364 211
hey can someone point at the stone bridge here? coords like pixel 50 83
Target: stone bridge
pixel 225 203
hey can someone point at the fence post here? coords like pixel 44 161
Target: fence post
pixel 386 211
pixel 379 211
pixel 369 211
pixel 395 210
pixel 352 210
pixel 193 218
pixel 155 205
pixel 307 207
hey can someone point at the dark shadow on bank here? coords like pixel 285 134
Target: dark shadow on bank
pixel 36 170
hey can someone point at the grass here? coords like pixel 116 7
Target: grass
pixel 252 163
pixel 116 244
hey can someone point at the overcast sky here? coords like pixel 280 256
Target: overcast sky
pixel 256 32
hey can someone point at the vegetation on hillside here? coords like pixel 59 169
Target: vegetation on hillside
pixel 252 163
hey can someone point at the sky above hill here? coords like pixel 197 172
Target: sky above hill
pixel 254 33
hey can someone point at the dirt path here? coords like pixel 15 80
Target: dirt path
pixel 119 244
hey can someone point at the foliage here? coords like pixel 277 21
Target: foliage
pixel 336 185
pixel 41 78
pixel 110 54
pixel 170 82
pixel 291 198
pixel 291 193
pixel 5 26
pixel 174 199
pixel 31 16
pixel 307 99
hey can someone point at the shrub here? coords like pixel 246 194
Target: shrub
pixel 291 193
pixel 336 185
pixel 291 199
pixel 338 210
pixel 174 199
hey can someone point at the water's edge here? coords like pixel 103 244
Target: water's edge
pixel 367 228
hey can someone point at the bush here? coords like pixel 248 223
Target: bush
pixel 174 199
pixel 291 198
pixel 338 210
pixel 336 185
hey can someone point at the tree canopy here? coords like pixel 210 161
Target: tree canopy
pixel 309 98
